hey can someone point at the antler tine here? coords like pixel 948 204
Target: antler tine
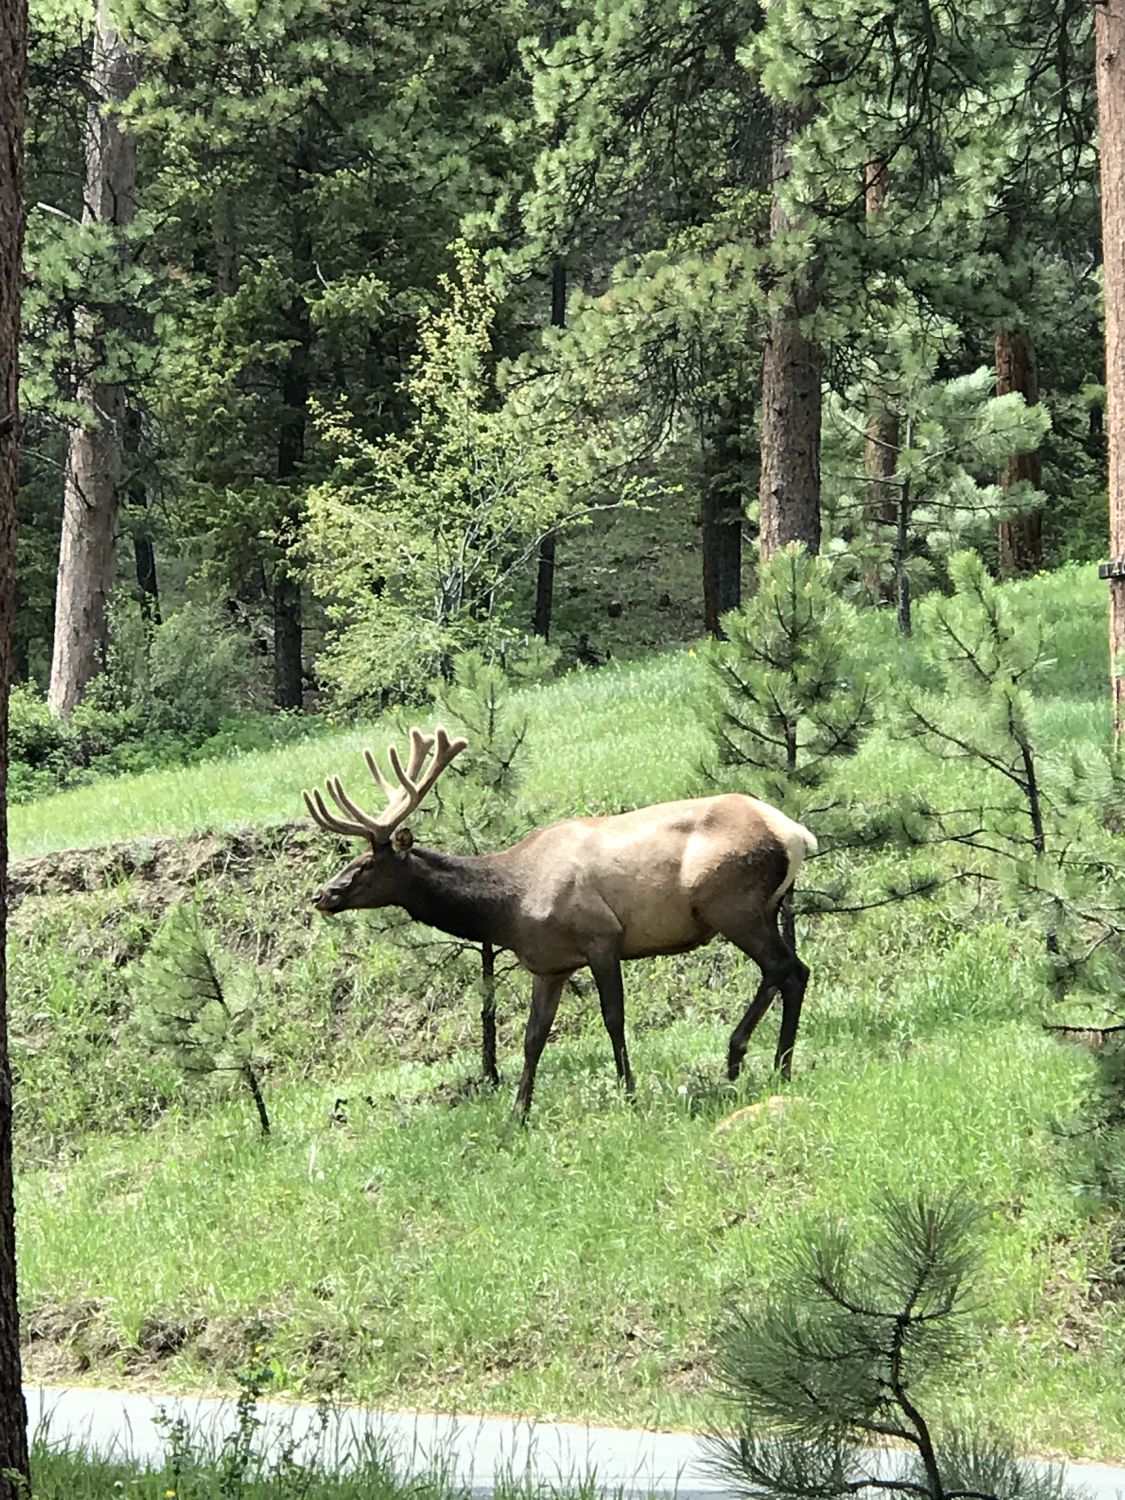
pixel 420 746
pixel 368 824
pixel 319 813
pixel 383 784
pixel 445 751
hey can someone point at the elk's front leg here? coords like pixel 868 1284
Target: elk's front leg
pixel 545 993
pixel 611 993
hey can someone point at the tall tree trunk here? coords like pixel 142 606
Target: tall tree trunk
pixel 1109 67
pixel 225 241
pixel 1020 537
pixel 545 572
pixel 789 486
pixel 883 445
pixel 94 464
pixel 724 487
pixel 288 668
pixel 144 547
pixel 14 1470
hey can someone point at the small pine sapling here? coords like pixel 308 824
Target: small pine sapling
pixel 982 658
pixel 788 705
pixel 478 805
pixel 200 1006
pixel 1046 830
pixel 825 1383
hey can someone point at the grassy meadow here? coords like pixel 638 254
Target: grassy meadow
pixel 399 1241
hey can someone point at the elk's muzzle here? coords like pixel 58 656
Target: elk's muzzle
pixel 327 902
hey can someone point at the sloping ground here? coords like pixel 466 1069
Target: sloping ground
pixel 399 1242
pixel 166 868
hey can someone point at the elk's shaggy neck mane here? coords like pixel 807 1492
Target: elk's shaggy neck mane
pixel 467 896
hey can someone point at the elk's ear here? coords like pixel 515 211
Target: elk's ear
pixel 401 840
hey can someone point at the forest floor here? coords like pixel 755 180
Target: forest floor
pixel 398 1241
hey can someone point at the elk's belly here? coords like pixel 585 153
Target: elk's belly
pixel 660 930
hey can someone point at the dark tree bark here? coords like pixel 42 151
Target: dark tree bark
pixel 144 547
pixel 789 487
pixel 724 489
pixel 94 463
pixel 226 243
pixel 288 670
pixel 1019 537
pixel 883 427
pixel 1109 67
pixel 545 572
pixel 13 98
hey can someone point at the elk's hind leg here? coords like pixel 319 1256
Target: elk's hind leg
pixel 782 971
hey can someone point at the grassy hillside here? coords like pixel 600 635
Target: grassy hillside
pixel 399 1241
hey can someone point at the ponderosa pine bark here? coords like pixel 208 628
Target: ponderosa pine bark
pixel 545 570
pixel 1109 38
pixel 1109 48
pixel 883 427
pixel 721 517
pixel 95 451
pixel 14 1471
pixel 1019 537
pixel 789 485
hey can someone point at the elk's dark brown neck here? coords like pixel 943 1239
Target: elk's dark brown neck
pixel 467 896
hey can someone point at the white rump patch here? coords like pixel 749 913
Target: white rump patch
pixel 794 837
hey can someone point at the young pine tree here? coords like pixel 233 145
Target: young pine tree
pixel 477 805
pixel 200 1007
pixel 981 658
pixel 789 703
pixel 829 1374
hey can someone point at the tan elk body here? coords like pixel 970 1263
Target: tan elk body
pixel 588 892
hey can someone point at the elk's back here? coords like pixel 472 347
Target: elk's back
pixel 661 875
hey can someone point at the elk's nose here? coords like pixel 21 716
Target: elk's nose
pixel 325 902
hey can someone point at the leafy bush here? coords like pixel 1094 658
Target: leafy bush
pixel 35 737
pixel 183 677
pixel 178 693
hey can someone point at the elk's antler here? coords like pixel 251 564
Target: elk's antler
pixel 401 800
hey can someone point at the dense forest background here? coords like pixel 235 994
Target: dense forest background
pixel 356 336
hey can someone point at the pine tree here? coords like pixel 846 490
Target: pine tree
pixel 95 460
pixel 928 499
pixel 14 1472
pixel 1110 34
pixel 201 1007
pixel 785 704
pixel 825 1384
pixel 790 703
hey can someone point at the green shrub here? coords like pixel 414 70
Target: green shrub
pixel 183 677
pixel 35 737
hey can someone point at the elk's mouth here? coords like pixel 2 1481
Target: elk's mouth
pixel 327 905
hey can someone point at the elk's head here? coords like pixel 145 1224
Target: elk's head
pixel 375 878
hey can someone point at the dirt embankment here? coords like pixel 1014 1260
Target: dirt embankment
pixel 166 868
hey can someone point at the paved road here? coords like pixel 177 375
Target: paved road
pixel 473 1451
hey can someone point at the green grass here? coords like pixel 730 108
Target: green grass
pixel 412 1247
pixel 422 1253
pixel 642 714
pixel 192 1470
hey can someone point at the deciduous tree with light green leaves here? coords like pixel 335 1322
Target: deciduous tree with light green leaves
pixel 417 538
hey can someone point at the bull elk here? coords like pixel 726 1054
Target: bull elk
pixel 587 892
